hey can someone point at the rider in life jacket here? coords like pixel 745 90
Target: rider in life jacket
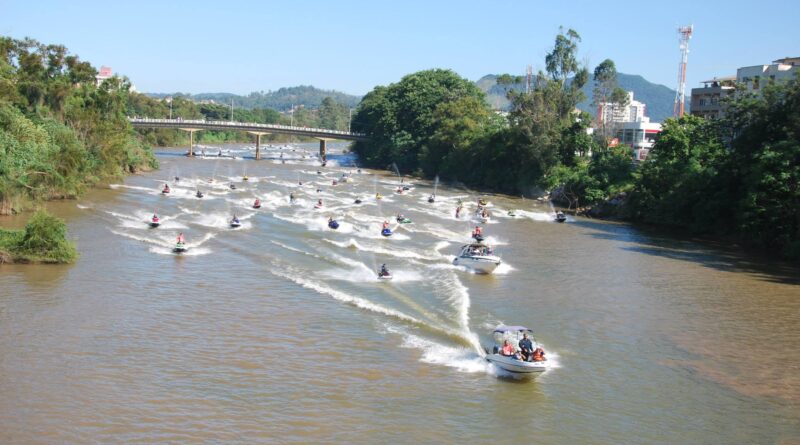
pixel 155 218
pixel 181 240
pixel 257 203
pixel 385 225
pixel 477 232
pixel 384 270
pixel 166 189
pixel 538 355
pixel 319 202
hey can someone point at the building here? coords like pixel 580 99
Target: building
pixel 105 73
pixel 707 101
pixel 631 126
pixel 612 114
pixel 639 135
pixel 756 77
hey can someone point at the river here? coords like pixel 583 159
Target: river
pixel 279 332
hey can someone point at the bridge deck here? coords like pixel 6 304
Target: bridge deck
pixel 199 124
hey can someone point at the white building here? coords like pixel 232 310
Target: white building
pixel 755 77
pixel 105 73
pixel 612 113
pixel 639 135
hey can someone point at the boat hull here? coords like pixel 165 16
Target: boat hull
pixel 480 264
pixel 531 369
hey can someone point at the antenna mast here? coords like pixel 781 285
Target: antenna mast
pixel 684 33
pixel 528 79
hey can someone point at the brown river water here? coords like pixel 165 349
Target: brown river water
pixel 279 332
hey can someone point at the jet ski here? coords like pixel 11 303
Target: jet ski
pixel 512 213
pixel 177 179
pixel 406 188
pixel 245 178
pixel 561 217
pixel 257 204
pixel 431 199
pixel 233 186
pixel 199 194
pixel 403 220
pixel 165 190
pixel 155 222
pixel 333 224
pixel 384 275
pixel 180 248
pixel 357 201
pixel 318 205
pixel 477 237
pixel 235 222
pixel 334 182
pixel 378 196
pixel 386 232
pixel 319 172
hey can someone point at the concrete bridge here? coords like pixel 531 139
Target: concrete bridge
pixel 258 130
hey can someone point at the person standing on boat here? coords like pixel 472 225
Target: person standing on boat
pixel 526 347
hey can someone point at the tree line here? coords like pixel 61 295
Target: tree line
pixel 735 177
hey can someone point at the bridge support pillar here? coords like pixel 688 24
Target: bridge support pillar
pixel 258 135
pixel 323 152
pixel 191 140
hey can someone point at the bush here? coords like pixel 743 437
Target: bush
pixel 45 239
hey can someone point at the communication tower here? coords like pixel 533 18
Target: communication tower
pixel 528 79
pixel 684 33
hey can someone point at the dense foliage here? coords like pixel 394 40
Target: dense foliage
pixel 739 176
pixel 43 240
pixel 283 99
pixel 59 131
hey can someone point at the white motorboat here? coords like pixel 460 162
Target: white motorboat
pixel 514 363
pixel 478 257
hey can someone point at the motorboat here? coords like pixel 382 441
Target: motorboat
pixel 514 363
pixel 235 222
pixel 478 257
pixel 386 232
pixel 257 204
pixel 560 217
pixel 333 224
pixel 403 220
pixel 180 248
pixel 154 221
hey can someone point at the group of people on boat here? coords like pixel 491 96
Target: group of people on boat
pixel 526 350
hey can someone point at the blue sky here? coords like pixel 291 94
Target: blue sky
pixel 352 46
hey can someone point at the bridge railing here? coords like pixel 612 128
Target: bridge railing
pixel 181 121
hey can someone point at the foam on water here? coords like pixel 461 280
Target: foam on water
pixel 353 244
pixel 462 359
pixel 536 216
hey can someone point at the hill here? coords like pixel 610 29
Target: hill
pixel 282 99
pixel 658 98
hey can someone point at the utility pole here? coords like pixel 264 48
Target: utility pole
pixel 292 119
pixel 170 108
pixel 350 121
pixel 231 110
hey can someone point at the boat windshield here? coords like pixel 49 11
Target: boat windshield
pixel 477 250
pixel 511 333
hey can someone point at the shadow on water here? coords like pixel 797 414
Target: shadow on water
pixel 715 254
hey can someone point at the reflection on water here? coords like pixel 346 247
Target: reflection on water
pixel 279 331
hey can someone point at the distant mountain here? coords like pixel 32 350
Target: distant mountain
pixel 658 98
pixel 282 99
